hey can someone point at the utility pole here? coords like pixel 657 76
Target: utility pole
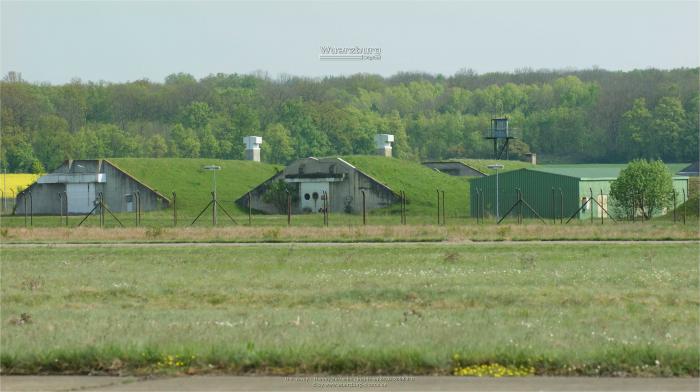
pixel 214 169
pixel 496 167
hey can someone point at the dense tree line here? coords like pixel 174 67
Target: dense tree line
pixel 565 116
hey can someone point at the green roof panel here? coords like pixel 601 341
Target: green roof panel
pixel 600 170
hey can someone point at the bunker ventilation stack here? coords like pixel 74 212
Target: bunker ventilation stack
pixel 382 144
pixel 252 148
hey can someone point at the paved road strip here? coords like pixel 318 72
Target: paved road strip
pixel 333 244
pixel 342 383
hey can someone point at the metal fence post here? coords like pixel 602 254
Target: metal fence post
pixel 213 210
pixel 325 208
pixel 561 206
pixel 438 205
pixel 289 208
pixel 520 206
pixel 31 209
pixel 139 207
pixel 250 211
pixel 444 222
pixel 601 206
pixel 478 204
pixel 328 208
pixel 135 199
pixel 685 205
pixel 674 206
pixel 60 208
pixel 482 205
pixel 174 209
pixel 554 208
pixel 364 209
pixel 590 201
pixel 102 208
pixel 403 207
pixel 65 196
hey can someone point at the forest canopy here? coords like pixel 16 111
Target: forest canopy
pixel 563 116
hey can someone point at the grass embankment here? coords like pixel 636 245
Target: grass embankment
pixel 691 210
pixel 193 184
pixel 315 232
pixel 382 309
pixel 691 207
pixel 419 182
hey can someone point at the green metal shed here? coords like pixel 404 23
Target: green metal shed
pixel 546 188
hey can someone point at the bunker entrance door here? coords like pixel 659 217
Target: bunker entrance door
pixel 81 197
pixel 311 195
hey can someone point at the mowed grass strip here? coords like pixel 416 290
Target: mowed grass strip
pixel 561 309
pixel 346 228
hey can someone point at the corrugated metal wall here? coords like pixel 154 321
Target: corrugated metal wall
pixel 680 184
pixel 537 192
pixel 596 186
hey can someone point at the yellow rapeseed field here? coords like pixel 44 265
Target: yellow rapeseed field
pixel 12 183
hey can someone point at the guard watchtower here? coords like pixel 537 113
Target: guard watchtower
pixel 501 136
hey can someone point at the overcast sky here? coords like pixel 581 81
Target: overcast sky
pixel 120 41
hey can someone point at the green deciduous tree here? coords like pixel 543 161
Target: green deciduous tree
pixel 636 134
pixel 19 155
pixel 156 146
pixel 185 142
pixel 277 146
pixel 668 125
pixel 196 115
pixel 642 187
pixel 568 116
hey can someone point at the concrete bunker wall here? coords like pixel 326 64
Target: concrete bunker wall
pixel 116 188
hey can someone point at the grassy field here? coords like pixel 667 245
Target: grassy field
pixel 621 309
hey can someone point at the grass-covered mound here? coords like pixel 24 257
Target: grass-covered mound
pixel 691 208
pixel 419 183
pixel 193 184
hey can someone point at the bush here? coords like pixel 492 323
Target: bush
pixel 643 186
